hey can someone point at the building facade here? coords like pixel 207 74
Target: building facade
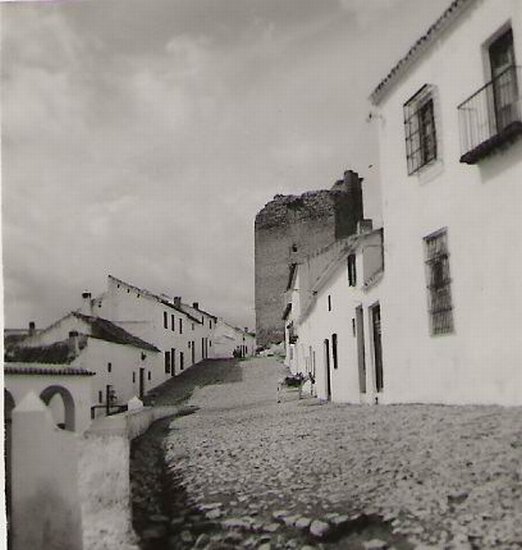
pixel 449 116
pixel 289 228
pixel 332 319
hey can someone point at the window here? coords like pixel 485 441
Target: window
pixel 352 275
pixel 172 323
pixel 419 128
pixel 329 303
pixel 334 351
pixel 193 326
pixel 181 326
pixel 167 362
pixel 440 306
pixel 165 319
pixel 181 361
pixel 173 360
pixel 209 323
pixel 133 377
pixel 100 397
pixel 109 367
pixel 149 375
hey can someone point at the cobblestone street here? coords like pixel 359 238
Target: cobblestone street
pixel 249 472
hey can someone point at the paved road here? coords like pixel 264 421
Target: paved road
pixel 249 472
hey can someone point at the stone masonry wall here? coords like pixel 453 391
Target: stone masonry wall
pixel 288 229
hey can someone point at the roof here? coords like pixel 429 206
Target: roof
pixel 45 370
pixel 108 331
pixel 450 15
pixel 58 353
pixel 156 297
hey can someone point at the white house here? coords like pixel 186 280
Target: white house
pixel 123 364
pixel 332 318
pixel 182 334
pixel 229 341
pixel 449 117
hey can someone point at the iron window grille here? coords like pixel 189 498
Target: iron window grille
pixel 440 305
pixel 419 129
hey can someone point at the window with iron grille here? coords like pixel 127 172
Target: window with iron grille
pixel 440 304
pixel 419 128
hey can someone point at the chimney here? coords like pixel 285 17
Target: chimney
pixel 195 305
pixel 32 328
pixel 177 301
pixel 86 303
pixel 74 343
pixel 364 226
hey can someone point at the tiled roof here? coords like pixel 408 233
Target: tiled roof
pixel 45 370
pixel 108 331
pixel 422 44
pixel 58 353
pixel 157 297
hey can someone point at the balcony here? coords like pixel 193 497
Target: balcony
pixel 490 118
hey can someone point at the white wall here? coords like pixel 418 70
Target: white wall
pixel 319 324
pixel 480 207
pixel 79 387
pixel 45 499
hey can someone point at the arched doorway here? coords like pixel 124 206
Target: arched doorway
pixel 9 405
pixel 61 403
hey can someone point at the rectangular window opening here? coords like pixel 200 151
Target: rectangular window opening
pixel 440 306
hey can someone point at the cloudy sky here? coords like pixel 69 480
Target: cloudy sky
pixel 140 137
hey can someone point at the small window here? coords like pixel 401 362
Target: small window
pixel 133 377
pixel 165 319
pixel 352 274
pixel 172 360
pixel 172 323
pixel 440 306
pixel 329 303
pixel 149 375
pixel 109 367
pixel 334 351
pixel 210 323
pixel 419 128
pixel 167 362
pixel 181 326
pixel 100 397
pixel 193 327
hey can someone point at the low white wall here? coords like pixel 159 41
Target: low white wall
pixel 104 476
pixel 46 512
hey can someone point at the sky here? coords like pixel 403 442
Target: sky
pixel 141 137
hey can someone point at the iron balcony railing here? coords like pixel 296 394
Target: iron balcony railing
pixel 491 116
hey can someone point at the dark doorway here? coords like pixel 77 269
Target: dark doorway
pixel 504 77
pixel 142 383
pixel 377 346
pixel 327 368
pixel 181 360
pixel 361 357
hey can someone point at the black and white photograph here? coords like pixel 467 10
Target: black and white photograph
pixel 261 267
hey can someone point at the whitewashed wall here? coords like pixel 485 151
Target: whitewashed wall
pixel 480 207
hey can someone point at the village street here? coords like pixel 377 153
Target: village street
pixel 248 472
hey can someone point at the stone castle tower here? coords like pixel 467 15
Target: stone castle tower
pixel 289 228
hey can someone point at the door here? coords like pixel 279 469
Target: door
pixel 142 383
pixel 504 77
pixel 172 362
pixel 327 368
pixel 181 361
pixel 361 358
pixel 377 346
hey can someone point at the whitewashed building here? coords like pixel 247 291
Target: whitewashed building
pixel 122 364
pixel 230 341
pixel 449 118
pixel 182 333
pixel 332 318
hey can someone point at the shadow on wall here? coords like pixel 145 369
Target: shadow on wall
pixel 207 373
